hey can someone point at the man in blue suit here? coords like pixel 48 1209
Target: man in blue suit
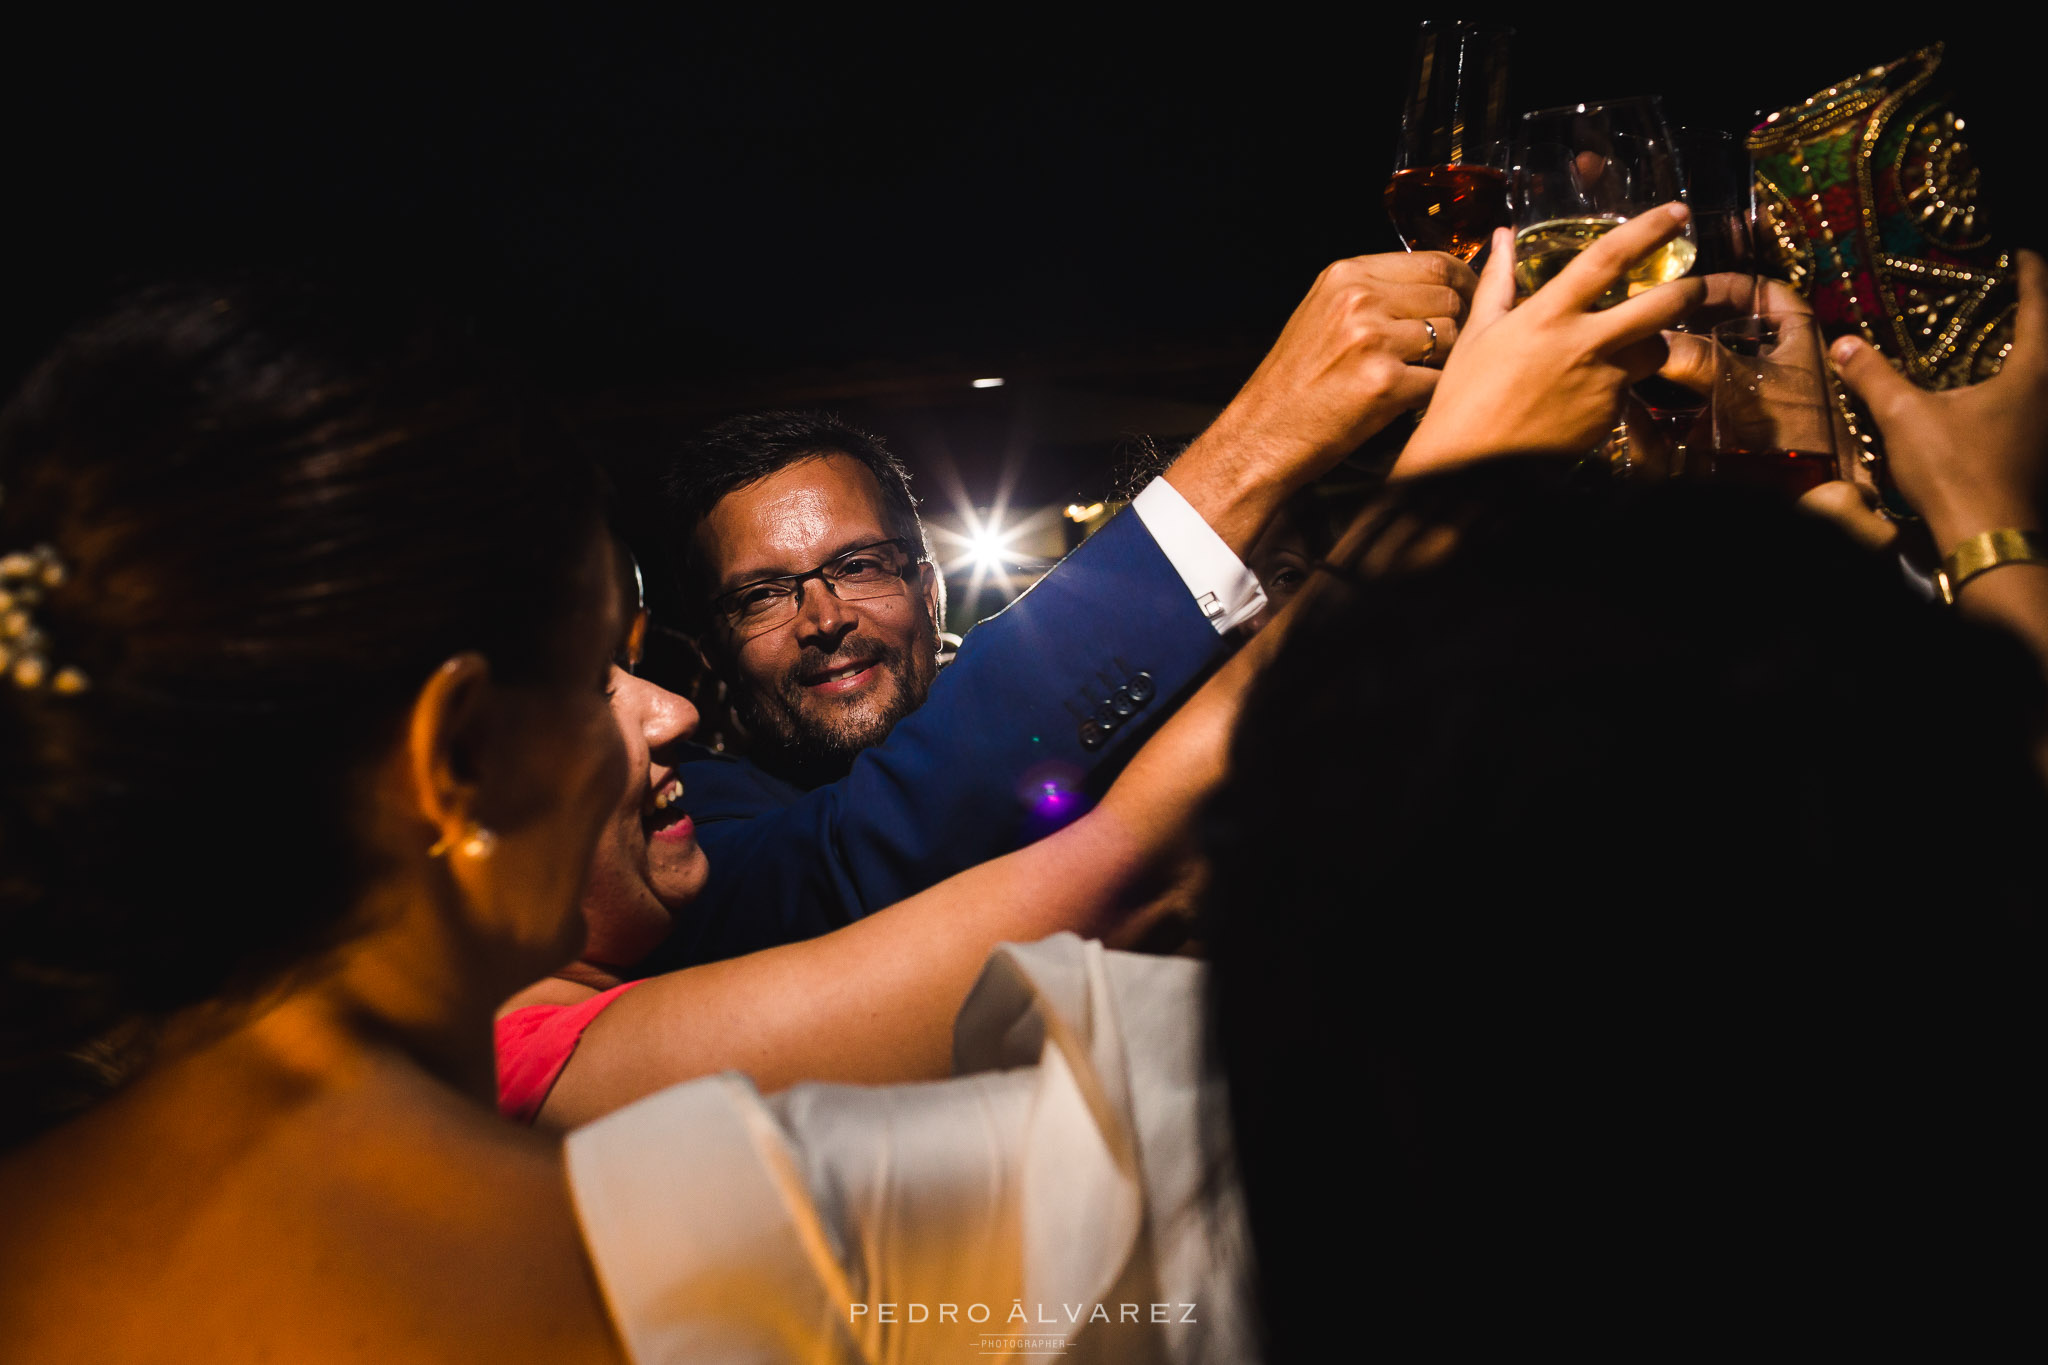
pixel 874 775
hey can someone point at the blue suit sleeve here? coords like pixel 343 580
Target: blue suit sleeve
pixel 1040 698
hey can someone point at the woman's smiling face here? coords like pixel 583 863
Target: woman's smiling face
pixel 648 864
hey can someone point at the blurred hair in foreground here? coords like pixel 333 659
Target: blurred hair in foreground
pixel 1627 932
pixel 280 510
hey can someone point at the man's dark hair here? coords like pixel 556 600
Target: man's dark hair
pixel 744 449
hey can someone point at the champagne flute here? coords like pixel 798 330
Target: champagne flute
pixel 1449 190
pixel 1583 170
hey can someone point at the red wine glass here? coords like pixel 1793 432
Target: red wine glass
pixel 1449 190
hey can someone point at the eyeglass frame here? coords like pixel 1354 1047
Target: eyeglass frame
pixel 795 582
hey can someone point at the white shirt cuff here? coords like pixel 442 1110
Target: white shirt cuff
pixel 1227 592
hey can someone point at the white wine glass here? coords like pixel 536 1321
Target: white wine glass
pixel 1581 171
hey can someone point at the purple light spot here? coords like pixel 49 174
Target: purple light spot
pixel 1052 803
pixel 1051 795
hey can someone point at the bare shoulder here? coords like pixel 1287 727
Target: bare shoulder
pixel 392 1221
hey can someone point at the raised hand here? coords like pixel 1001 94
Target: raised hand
pixel 1692 359
pixel 1361 348
pixel 1548 377
pixel 1970 459
pixel 1973 460
pixel 1852 509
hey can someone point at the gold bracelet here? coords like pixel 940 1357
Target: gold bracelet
pixel 1988 550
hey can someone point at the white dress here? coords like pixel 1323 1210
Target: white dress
pixel 1060 1197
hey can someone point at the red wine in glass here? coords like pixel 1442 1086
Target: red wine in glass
pixel 1448 208
pixel 1790 472
pixel 1449 190
pixel 1773 414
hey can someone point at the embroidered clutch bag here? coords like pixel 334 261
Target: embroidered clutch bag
pixel 1867 203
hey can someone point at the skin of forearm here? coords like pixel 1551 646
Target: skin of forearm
pixel 874 1002
pixel 1227 476
pixel 2014 596
pixel 1953 519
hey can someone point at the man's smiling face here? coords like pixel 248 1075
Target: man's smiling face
pixel 818 689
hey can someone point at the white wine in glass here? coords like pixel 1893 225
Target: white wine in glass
pixel 1581 171
pixel 1544 249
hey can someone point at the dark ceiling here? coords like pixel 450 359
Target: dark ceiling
pixel 677 218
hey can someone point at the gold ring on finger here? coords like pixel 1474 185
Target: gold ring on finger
pixel 1429 354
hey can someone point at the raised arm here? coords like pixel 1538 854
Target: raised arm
pixel 1360 349
pixel 1973 460
pixel 874 1002
pixel 1060 682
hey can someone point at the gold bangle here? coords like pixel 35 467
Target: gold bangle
pixel 1988 550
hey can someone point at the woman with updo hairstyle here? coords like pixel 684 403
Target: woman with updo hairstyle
pixel 305 745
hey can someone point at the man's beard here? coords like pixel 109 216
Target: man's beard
pixel 793 742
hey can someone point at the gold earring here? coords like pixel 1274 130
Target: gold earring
pixel 477 842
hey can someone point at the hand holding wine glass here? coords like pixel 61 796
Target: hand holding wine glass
pixel 1359 349
pixel 1665 418
pixel 1583 170
pixel 1547 377
pixel 1694 364
pixel 1729 295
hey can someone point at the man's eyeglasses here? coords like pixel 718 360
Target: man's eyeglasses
pixel 876 570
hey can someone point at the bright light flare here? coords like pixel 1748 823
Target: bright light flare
pixel 985 549
pixel 986 546
pixel 988 383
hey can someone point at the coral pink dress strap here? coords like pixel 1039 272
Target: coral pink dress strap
pixel 535 1043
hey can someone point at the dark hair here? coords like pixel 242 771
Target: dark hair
pixel 1139 460
pixel 750 447
pixel 1630 921
pixel 277 521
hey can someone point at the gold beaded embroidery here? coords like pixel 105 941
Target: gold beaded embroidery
pixel 25 576
pixel 1944 323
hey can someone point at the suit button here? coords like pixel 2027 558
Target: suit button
pixel 1106 717
pixel 1140 687
pixel 1123 703
pixel 1092 735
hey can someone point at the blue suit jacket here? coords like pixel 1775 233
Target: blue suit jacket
pixel 1040 697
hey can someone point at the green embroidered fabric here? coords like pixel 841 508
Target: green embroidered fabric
pixel 1867 202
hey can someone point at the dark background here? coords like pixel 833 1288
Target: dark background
pixel 675 219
